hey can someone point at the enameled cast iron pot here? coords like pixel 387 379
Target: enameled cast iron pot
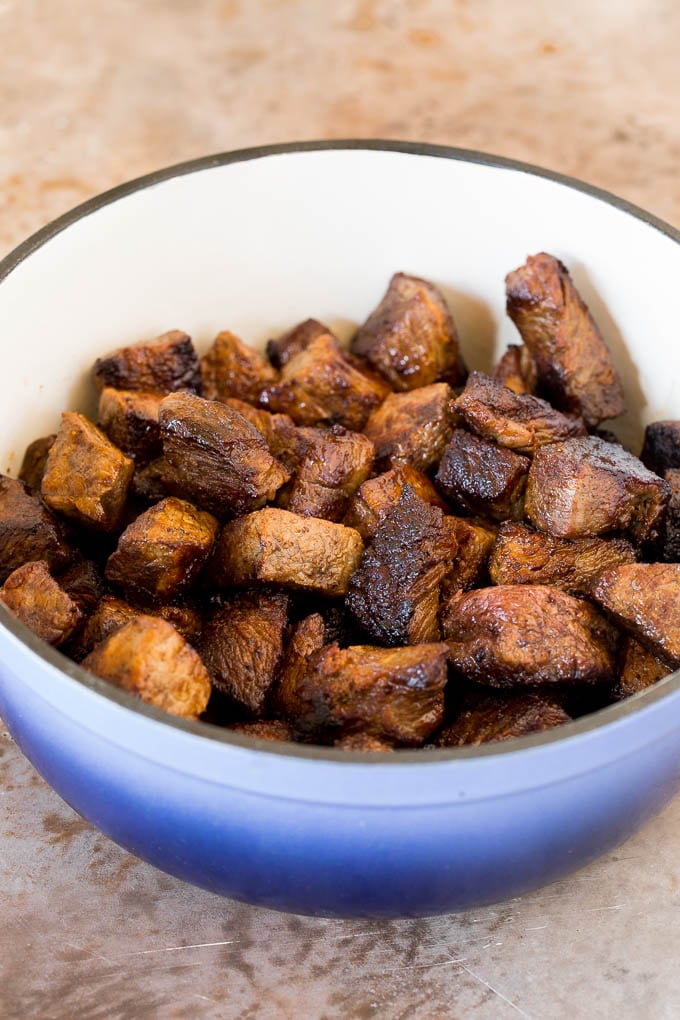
pixel 255 241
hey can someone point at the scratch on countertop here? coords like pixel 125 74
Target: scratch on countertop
pixel 496 992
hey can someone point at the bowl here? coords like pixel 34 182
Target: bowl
pixel 255 241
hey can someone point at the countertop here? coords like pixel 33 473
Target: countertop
pixel 93 94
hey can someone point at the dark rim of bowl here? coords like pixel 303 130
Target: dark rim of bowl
pixel 595 720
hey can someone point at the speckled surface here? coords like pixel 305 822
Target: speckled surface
pixel 93 94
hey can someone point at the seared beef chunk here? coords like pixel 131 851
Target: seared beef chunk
pixel 232 369
pixel 501 718
pixel 149 658
pixel 526 635
pixel 242 646
pixel 33 464
pixel 308 637
pixel 333 464
pixel 279 430
pixel 274 546
pixel 394 594
pixel 524 556
pixel 575 367
pixel 111 613
pixel 161 554
pixel 84 582
pixel 28 531
pixel 86 477
pixel 589 487
pixel 475 539
pixel 130 420
pixel 518 422
pixel 482 477
pixel 163 365
pixel 670 533
pixel 517 370
pixel 640 669
pixel 411 338
pixel 363 743
pixel 645 599
pixel 377 496
pixel 153 482
pixel 264 729
pixel 283 349
pixel 394 694
pixel 35 598
pixel 321 385
pixel 661 447
pixel 413 427
pixel 218 458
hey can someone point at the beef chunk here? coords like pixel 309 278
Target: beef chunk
pixel 309 636
pixel 86 477
pixel 84 582
pixel 33 464
pixel 670 532
pixel 321 385
pixel 413 427
pixel 411 338
pixel 589 487
pixel 274 546
pixel 218 458
pixel 377 496
pixel 394 594
pixel 160 555
pixel 517 370
pixel 575 367
pixel 163 365
pixel 501 718
pixel 283 349
pixel 640 669
pixel 518 422
pixel 661 447
pixel 524 556
pixel 334 462
pixel 242 646
pixel 28 531
pixel 111 613
pixel 474 539
pixel 645 599
pixel 34 597
pixel 130 420
pixel 264 729
pixel 394 694
pixel 232 369
pixel 149 658
pixel 526 635
pixel 279 430
pixel 482 477
pixel 363 743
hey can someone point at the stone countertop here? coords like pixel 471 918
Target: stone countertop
pixel 93 94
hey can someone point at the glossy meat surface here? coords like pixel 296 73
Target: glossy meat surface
pixel 164 365
pixel 482 478
pixel 231 368
pixel 645 599
pixel 412 427
pixel 501 718
pixel 28 531
pixel 516 369
pixel 34 597
pixel 332 465
pixel 130 420
pixel 377 496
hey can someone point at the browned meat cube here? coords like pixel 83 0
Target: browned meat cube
pixel 33 464
pixel 501 718
pixel 218 458
pixel 185 618
pixel 322 386
pixel 264 729
pixel 308 637
pixel 28 531
pixel 661 447
pixel 394 694
pixel 279 430
pixel 111 613
pixel 413 427
pixel 281 350
pixel 518 422
pixel 394 593
pixel 517 370
pixel 670 532
pixel 574 364
pixel 163 365
pixel 274 546
pixel 482 477
pixel 84 582
pixel 334 462
pixel 640 669
pixel 232 369
pixel 645 599
pixel 34 597
pixel 524 556
pixel 526 635
pixel 589 487
pixel 149 658
pixel 161 554
pixel 86 478
pixel 377 496
pixel 242 646
pixel 475 539
pixel 130 420
pixel 411 337
pixel 153 482
pixel 363 743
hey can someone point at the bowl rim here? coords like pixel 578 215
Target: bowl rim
pixel 598 720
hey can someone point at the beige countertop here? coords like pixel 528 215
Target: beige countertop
pixel 94 93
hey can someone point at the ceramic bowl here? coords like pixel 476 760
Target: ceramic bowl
pixel 255 241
